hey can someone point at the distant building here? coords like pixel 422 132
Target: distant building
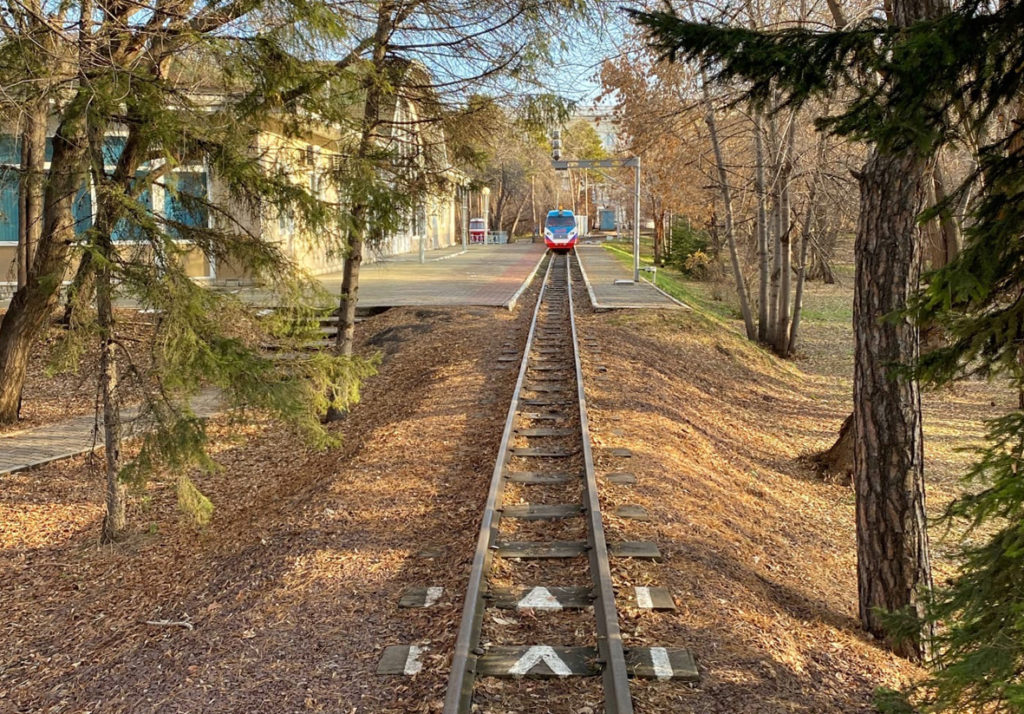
pixel 437 220
pixel 603 120
pixel 606 197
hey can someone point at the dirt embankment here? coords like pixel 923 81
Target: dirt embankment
pixel 292 592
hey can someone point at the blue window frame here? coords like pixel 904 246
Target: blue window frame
pixel 125 230
pixel 113 146
pixel 8 204
pixel 182 189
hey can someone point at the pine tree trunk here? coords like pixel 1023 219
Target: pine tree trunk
pixel 893 563
pixel 730 233
pixel 345 339
pixel 32 304
pixel 893 560
pixel 114 520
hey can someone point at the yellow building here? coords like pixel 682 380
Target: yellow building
pixel 309 158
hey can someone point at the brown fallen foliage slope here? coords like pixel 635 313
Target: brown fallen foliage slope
pixel 292 591
pixel 759 551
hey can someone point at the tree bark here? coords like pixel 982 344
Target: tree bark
pixel 801 278
pixel 785 174
pixel 32 303
pixel 775 234
pixel 345 338
pixel 730 233
pixel 763 256
pixel 30 191
pixel 81 291
pixel 114 521
pixel 893 562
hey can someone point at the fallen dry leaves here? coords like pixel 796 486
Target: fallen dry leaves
pixel 292 592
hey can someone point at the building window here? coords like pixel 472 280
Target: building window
pixel 185 203
pixel 8 204
pixel 125 231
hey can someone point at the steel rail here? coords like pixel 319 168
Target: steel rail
pixel 609 637
pixel 458 698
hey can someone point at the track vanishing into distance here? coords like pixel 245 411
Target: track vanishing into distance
pixel 542 545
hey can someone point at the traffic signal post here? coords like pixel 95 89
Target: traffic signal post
pixel 561 164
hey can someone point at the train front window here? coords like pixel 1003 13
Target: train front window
pixel 561 222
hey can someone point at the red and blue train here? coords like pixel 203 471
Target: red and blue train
pixel 560 230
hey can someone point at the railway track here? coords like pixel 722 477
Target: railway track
pixel 541 546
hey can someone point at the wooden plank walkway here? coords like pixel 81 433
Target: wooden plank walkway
pixel 21 450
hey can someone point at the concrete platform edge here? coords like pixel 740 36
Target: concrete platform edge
pixel 680 303
pixel 510 304
pixel 586 281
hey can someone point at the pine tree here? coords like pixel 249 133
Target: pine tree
pixel 939 78
pixel 185 94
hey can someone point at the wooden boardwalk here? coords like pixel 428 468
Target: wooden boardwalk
pixel 21 450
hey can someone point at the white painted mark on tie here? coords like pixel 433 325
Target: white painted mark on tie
pixel 660 662
pixel 537 654
pixel 412 660
pixel 643 598
pixel 540 598
pixel 433 595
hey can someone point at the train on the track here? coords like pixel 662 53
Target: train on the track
pixel 560 230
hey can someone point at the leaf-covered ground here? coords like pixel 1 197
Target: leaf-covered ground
pixel 292 592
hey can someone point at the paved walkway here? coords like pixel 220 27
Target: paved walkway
pixel 600 271
pixel 20 450
pixel 492 275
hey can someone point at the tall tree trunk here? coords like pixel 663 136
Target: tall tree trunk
pixel 31 188
pixel 949 226
pixel 81 290
pixel 785 239
pixel 114 521
pixel 730 233
pixel 893 563
pixel 32 303
pixel 798 298
pixel 659 233
pixel 519 217
pixel 345 338
pixel 763 256
pixel 533 208
pixel 775 232
pixel 893 560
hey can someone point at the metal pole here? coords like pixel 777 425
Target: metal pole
pixel 586 201
pixel 636 223
pixel 465 217
pixel 423 243
pixel 487 212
